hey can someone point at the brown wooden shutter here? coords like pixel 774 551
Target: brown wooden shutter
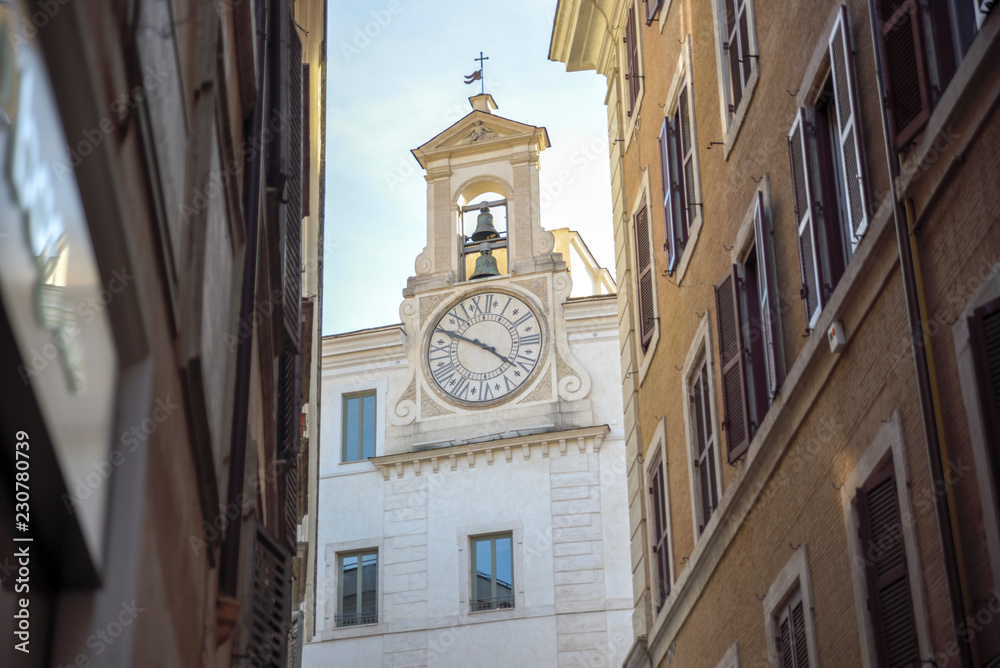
pixel 907 86
pixel 768 293
pixel 306 138
pixel 292 237
pixel 290 468
pixel 984 339
pixel 848 131
pixel 289 401
pixel 732 355
pixel 792 644
pixel 632 55
pixel 805 219
pixel 657 493
pixel 884 550
pixel 652 6
pixel 675 150
pixel 644 276
pixel 271 612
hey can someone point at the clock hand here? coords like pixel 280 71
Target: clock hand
pixel 476 342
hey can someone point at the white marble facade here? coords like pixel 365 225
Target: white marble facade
pixel 547 465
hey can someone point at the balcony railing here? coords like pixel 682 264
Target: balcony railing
pixel 356 619
pixel 498 603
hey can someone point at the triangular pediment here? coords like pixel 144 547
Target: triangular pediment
pixel 478 130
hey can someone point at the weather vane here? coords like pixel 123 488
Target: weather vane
pixel 478 74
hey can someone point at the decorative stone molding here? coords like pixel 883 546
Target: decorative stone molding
pixel 587 439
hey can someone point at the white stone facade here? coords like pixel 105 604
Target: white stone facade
pixel 547 465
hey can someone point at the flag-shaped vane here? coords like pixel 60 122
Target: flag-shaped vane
pixel 478 74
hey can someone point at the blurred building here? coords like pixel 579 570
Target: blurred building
pixel 805 216
pixel 472 467
pixel 160 273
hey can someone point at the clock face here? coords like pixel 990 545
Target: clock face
pixel 484 348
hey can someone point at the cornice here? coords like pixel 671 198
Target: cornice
pixel 502 450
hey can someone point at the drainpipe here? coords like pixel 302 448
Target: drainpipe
pixel 230 557
pixel 925 386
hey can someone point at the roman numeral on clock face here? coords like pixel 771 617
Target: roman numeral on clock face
pixel 484 348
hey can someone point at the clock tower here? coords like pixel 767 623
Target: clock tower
pixel 493 348
pixel 472 485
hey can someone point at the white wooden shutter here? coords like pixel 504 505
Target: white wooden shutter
pixel 848 130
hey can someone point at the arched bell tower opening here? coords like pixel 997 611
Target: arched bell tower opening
pixel 483 161
pixel 483 224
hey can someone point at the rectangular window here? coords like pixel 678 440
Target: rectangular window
pixel 737 47
pixel 661 548
pixel 359 426
pixel 632 76
pixel 703 445
pixel 886 573
pixel 644 275
pixel 748 345
pixel 984 340
pixel 358 587
pixel 492 572
pixel 793 647
pixel 677 175
pixel 922 44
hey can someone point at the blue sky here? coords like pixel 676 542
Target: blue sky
pixel 396 72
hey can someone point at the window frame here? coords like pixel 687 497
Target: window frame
pixel 793 580
pixel 340 615
pixel 630 106
pixel 344 399
pixel 700 356
pixel 682 82
pixel 657 463
pixel 979 437
pixel 732 121
pixel 492 537
pixel 645 353
pixel 888 442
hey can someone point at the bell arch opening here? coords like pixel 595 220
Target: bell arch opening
pixel 482 223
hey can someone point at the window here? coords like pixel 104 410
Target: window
pixel 890 603
pixel 492 572
pixel 359 426
pixel 358 587
pixel 737 62
pixel 644 275
pixel 984 340
pixel 679 176
pixel 739 56
pixel 706 477
pixel 828 178
pixel 660 532
pixel 633 79
pixel 792 647
pixel 788 606
pixel 748 344
pixel 652 7
pixel 922 44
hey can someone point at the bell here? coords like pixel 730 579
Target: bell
pixel 484 228
pixel 486 265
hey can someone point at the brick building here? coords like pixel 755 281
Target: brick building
pixel 808 283
pixel 160 272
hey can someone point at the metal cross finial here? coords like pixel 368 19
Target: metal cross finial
pixel 482 80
